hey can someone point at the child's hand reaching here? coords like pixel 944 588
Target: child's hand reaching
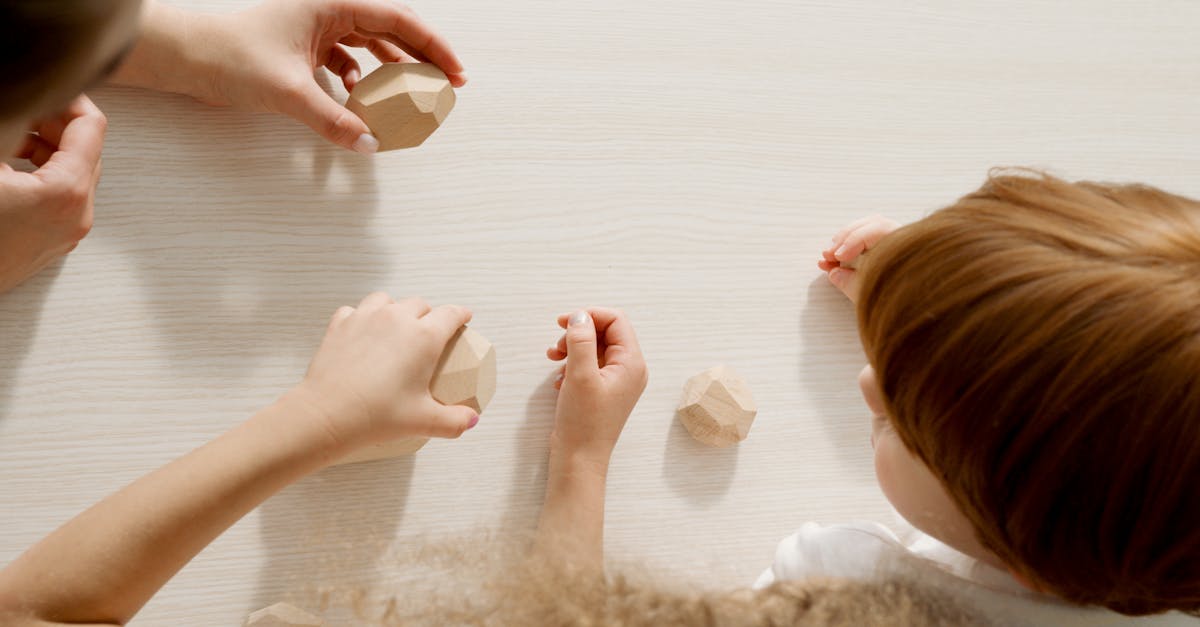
pixel 370 377
pixel 602 379
pixel 847 246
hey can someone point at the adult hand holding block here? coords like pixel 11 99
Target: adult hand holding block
pixel 402 103
pixel 465 375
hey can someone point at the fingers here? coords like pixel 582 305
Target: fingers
pixel 342 63
pixel 448 319
pixel 450 421
pixel 846 280
pixel 312 106
pixel 340 314
pixel 81 141
pixel 388 52
pixel 581 345
pixel 415 305
pixel 855 239
pixel 36 149
pixel 375 300
pixel 391 21
pixel 558 352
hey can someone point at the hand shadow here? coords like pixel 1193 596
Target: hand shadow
pixel 829 333
pixel 328 538
pixel 20 318
pixel 698 472
pixel 531 462
pixel 268 234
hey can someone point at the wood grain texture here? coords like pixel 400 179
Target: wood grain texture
pixel 685 160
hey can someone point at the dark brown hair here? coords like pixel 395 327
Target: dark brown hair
pixel 1037 345
pixel 38 41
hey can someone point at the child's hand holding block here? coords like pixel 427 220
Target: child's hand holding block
pixel 465 375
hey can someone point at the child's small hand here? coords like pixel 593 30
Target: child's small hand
pixel 601 382
pixel 370 376
pixel 851 242
pixel 44 213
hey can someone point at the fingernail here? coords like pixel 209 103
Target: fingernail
pixel 578 318
pixel 352 76
pixel 841 249
pixel 474 421
pixel 559 378
pixel 366 144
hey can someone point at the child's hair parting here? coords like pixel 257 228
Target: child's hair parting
pixel 1037 345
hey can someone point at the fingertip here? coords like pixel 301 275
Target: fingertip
pixel 366 144
pixel 579 318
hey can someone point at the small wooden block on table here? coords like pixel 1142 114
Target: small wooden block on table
pixel 717 407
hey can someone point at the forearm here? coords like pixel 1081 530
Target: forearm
pixel 169 51
pixel 572 519
pixel 106 563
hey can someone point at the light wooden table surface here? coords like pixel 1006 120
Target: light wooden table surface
pixel 685 160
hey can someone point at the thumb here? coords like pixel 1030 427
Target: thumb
pixel 330 120
pixel 450 421
pixel 581 344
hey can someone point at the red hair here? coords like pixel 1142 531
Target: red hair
pixel 1037 345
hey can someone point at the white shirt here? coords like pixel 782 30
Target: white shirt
pixel 866 550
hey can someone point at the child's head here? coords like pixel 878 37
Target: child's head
pixel 1037 346
pixel 51 50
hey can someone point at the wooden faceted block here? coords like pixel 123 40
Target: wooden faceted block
pixel 717 407
pixel 283 615
pixel 402 103
pixel 465 375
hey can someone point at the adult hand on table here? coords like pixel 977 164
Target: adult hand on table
pixel 263 58
pixel 44 213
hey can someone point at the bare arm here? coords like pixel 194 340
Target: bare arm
pixel 105 564
pixel 368 383
pixel 602 380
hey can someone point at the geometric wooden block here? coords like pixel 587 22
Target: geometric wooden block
pixel 465 375
pixel 402 103
pixel 717 407
pixel 282 615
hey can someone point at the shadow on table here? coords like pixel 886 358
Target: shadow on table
pixel 699 473
pixel 20 318
pixel 271 234
pixel 829 332
pixel 328 537
pixel 530 468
